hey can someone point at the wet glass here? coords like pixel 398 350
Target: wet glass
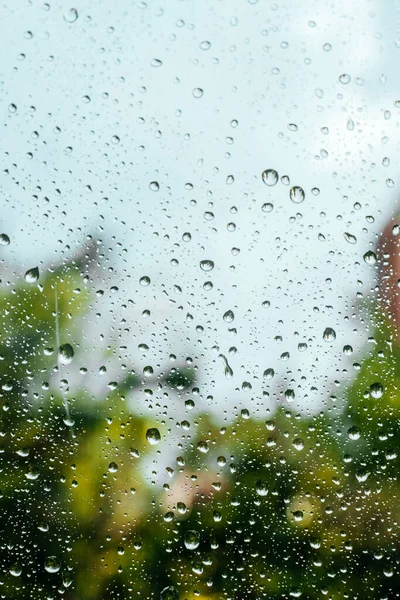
pixel 200 315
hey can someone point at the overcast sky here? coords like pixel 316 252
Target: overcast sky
pixel 202 96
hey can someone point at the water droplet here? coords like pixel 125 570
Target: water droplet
pixel 153 436
pixel 66 354
pixel 268 373
pixel 329 334
pixel 144 280
pixel 344 78
pixel 207 265
pixel 12 108
pixel 228 316
pixel 32 275
pixel 267 207
pixel 186 237
pixel 156 62
pixel 32 473
pixel 197 92
pixel 297 194
pixel 71 15
pixel 370 257
pixel 154 186
pixel 362 475
pixel 205 45
pixel 396 229
pixel 4 239
pixel 376 390
pixel 203 447
pixel 347 350
pixel 354 433
pixel 113 467
pixel 350 238
pixel 15 570
pixel 270 177
pixel 52 564
pixel 298 443
pixel 191 539
pixel 227 367
pixel 169 593
pixel 262 487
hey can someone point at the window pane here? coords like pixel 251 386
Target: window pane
pixel 199 303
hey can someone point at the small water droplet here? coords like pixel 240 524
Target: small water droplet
pixel 298 443
pixel 32 275
pixel 262 487
pixel 153 436
pixel 270 177
pixel 267 207
pixel 113 467
pixel 197 92
pixel 227 367
pixel 154 186
pixel 370 257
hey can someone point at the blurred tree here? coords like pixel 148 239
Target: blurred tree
pixel 290 507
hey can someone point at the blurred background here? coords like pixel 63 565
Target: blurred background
pixel 199 273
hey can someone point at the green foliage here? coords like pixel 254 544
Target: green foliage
pixel 287 507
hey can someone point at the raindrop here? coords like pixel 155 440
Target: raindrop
pixel 15 570
pixel 354 433
pixel 267 207
pixel 297 194
pixel 376 390
pixel 32 275
pixel 192 539
pixel 52 564
pixel 144 281
pixel 350 238
pixel 370 257
pixel 153 436
pixel 298 443
pixel 154 186
pixel 262 487
pixel 205 45
pixel 71 15
pixel 113 467
pixel 197 92
pixel 4 239
pixel 270 177
pixel 347 350
pixel 329 334
pixel 228 316
pixel 66 354
pixel 169 593
pixel 344 78
pixel 206 265
pixel 227 368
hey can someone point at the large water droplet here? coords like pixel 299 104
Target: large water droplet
pixel 32 275
pixel 329 334
pixel 228 316
pixel 71 15
pixel 227 367
pixel 270 177
pixel 262 487
pixel 376 390
pixel 370 257
pixel 350 238
pixel 354 433
pixel 4 239
pixel 66 354
pixel 297 194
pixel 207 265
pixel 192 539
pixel 52 564
pixel 153 436
pixel 169 593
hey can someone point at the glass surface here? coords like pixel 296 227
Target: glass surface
pixel 200 320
